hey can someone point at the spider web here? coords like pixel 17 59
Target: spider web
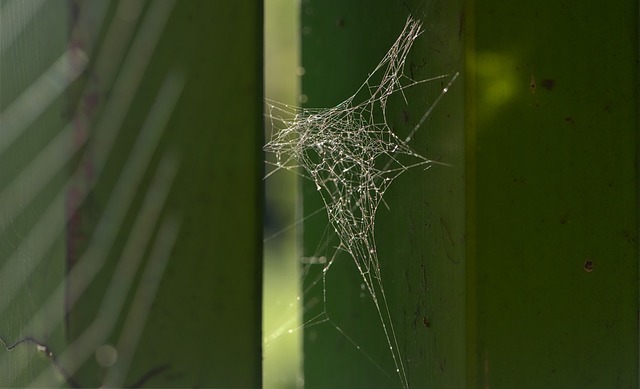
pixel 352 155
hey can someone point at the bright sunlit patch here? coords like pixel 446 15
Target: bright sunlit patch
pixel 498 72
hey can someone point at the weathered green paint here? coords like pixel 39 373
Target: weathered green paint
pixel 487 263
pixel 552 135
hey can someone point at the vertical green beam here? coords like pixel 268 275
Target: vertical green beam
pixel 203 329
pixel 204 324
pixel 552 189
pixel 420 237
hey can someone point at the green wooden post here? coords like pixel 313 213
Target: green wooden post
pixel 164 253
pixel 516 266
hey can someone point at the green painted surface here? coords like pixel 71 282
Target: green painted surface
pixel 420 237
pixel 182 310
pixel 31 265
pixel 522 256
pixel 204 326
pixel 553 197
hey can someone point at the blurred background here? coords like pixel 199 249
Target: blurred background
pixel 282 350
